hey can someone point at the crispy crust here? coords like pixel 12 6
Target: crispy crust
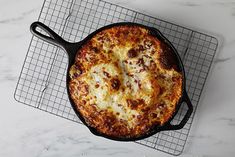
pixel 125 81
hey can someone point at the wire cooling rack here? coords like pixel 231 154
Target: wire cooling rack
pixel 42 80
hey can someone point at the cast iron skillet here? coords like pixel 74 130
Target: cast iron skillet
pixel 72 49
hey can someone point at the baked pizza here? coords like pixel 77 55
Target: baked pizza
pixel 124 82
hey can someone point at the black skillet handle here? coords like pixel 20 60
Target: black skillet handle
pixel 186 99
pixel 157 33
pixel 53 38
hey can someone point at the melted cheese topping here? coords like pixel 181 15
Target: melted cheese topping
pixel 122 82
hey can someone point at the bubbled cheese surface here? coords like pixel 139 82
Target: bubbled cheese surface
pixel 120 83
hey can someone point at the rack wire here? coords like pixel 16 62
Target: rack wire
pixel 42 80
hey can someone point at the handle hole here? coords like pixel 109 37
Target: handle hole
pixel 180 114
pixel 40 30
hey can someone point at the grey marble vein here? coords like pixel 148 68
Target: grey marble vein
pixel 122 2
pixel 221 60
pixel 228 120
pixel 13 19
pixel 6 72
pixel 201 136
pixel 12 36
pixel 219 3
pixel 224 3
pixel 80 140
pixel 189 4
pixel 18 18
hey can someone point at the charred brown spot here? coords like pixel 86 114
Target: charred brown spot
pixel 126 33
pixel 109 121
pixel 106 74
pixel 137 40
pixel 153 115
pixel 118 34
pixel 115 83
pixel 84 89
pixel 119 105
pixel 83 102
pixel 110 51
pixel 152 65
pixel 112 46
pixel 147 44
pixel 161 77
pixel 162 90
pixel 167 58
pixel 140 61
pixel 116 64
pixel 147 56
pixel 139 116
pixel 141 48
pixel 95 49
pixel 152 52
pixel 101 38
pixel 161 105
pixel 75 75
pixel 131 75
pixel 146 109
pixel 97 85
pixel 128 84
pixel 133 104
pixel 175 79
pixel 132 53
pixel 125 61
pixel 78 68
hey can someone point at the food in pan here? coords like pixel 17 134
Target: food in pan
pixel 124 82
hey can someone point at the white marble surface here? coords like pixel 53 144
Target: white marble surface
pixel 25 131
